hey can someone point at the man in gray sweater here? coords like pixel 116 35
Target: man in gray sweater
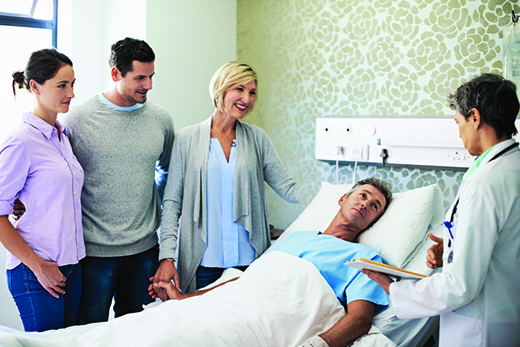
pixel 123 144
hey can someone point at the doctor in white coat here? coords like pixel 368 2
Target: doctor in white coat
pixel 477 293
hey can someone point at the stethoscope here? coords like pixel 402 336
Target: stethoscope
pixel 449 224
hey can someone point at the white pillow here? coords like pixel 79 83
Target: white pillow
pixel 399 232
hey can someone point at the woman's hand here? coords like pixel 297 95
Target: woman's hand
pixel 50 277
pixel 47 273
pixel 434 256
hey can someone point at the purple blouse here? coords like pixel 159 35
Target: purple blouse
pixel 42 171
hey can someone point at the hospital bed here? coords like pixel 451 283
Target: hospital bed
pixel 280 300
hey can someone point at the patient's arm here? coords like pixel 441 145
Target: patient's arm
pixel 174 293
pixel 356 323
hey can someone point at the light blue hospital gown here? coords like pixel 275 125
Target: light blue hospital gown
pixel 329 253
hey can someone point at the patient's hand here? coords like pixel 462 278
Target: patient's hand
pixel 172 291
pixel 434 256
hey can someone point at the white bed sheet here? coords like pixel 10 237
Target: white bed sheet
pixel 281 300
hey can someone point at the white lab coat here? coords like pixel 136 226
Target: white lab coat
pixel 478 293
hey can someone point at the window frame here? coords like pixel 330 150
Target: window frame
pixel 9 19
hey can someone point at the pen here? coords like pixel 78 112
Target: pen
pixel 448 226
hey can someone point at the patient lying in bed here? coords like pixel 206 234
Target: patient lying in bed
pixel 328 251
pixel 283 299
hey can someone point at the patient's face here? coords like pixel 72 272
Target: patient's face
pixel 362 207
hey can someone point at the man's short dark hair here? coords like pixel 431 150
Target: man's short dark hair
pixel 384 187
pixel 124 52
pixel 494 97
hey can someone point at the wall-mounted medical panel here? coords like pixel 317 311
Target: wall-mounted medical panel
pixel 431 143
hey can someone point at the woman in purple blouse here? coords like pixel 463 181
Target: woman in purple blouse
pixel 38 167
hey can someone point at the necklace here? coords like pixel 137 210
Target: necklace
pixel 233 144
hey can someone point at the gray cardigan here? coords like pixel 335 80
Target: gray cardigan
pixel 185 194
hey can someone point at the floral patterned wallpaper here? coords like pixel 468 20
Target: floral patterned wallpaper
pixel 361 58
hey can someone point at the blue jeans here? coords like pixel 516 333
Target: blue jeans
pixel 126 279
pixel 207 275
pixel 38 309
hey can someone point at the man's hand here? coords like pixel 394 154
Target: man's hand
pixel 315 341
pixel 18 209
pixel 165 273
pixel 355 323
pixel 50 277
pixel 383 280
pixel 434 256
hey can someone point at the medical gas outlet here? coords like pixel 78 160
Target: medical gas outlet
pixel 429 143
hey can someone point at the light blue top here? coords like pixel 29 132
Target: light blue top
pixel 228 242
pixel 113 106
pixel 329 253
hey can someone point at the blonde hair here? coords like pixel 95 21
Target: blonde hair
pixel 227 76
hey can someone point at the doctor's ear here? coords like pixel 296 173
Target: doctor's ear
pixel 475 117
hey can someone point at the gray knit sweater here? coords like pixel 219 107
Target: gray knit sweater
pixel 119 152
pixel 185 194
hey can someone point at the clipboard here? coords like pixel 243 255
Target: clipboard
pixel 362 263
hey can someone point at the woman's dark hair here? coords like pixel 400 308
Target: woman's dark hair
pixel 42 66
pixel 124 52
pixel 494 97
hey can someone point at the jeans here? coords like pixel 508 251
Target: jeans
pixel 207 275
pixel 38 309
pixel 126 279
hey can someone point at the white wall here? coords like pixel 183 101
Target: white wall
pixel 87 29
pixel 191 39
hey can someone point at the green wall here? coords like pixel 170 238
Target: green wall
pixel 361 58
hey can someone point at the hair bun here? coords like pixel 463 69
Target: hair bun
pixel 19 79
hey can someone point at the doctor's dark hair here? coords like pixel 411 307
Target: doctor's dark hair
pixel 384 187
pixel 41 66
pixel 494 97
pixel 124 52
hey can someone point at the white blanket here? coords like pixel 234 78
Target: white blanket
pixel 280 300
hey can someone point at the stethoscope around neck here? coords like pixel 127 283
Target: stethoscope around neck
pixel 449 224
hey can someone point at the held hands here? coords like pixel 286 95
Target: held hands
pixel 164 274
pixel 434 256
pixel 50 277
pixel 171 291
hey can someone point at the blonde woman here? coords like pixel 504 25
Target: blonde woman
pixel 214 205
